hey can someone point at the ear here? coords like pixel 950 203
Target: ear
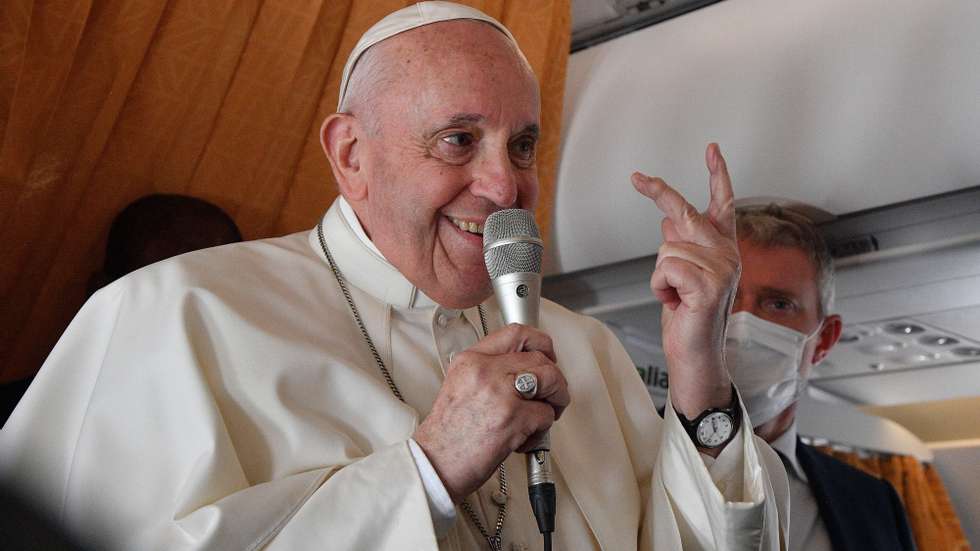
pixel 339 137
pixel 829 335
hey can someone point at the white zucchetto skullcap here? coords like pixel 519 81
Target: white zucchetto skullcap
pixel 412 17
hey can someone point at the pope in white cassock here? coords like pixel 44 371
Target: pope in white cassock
pixel 231 398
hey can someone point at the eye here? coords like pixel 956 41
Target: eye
pixel 454 147
pixel 458 139
pixel 780 305
pixel 522 150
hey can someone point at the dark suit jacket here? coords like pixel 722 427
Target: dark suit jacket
pixel 861 512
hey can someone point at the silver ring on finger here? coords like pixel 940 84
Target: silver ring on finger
pixel 526 385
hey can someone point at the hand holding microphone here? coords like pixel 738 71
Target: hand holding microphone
pixel 512 249
pixel 480 416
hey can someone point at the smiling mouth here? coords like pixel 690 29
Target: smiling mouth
pixel 470 227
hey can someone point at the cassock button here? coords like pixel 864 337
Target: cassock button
pixel 499 498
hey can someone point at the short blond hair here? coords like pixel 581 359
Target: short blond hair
pixel 776 226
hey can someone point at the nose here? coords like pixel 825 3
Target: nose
pixel 495 179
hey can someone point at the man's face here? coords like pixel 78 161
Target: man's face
pixel 455 142
pixel 779 285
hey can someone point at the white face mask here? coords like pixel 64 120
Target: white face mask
pixel 764 360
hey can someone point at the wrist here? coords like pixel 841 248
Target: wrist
pixel 432 452
pixel 441 506
pixel 692 401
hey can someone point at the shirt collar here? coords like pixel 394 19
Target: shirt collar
pixel 354 223
pixel 361 263
pixel 786 446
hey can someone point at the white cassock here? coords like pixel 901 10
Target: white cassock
pixel 225 399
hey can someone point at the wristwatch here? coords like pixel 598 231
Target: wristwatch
pixel 714 427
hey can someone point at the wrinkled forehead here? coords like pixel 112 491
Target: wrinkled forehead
pixel 471 70
pixel 406 20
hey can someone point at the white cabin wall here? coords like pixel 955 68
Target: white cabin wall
pixel 843 105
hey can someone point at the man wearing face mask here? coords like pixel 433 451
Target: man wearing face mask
pixel 780 328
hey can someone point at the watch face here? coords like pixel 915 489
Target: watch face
pixel 714 430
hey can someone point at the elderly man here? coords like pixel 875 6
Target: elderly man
pixel 353 387
pixel 783 326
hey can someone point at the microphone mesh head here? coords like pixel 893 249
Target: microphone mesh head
pixel 521 256
pixel 509 224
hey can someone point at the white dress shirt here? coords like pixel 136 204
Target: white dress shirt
pixel 440 504
pixel 807 531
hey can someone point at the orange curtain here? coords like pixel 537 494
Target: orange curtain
pixel 931 515
pixel 104 101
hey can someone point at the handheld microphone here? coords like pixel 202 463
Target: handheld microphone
pixel 512 249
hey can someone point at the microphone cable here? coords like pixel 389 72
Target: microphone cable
pixel 543 505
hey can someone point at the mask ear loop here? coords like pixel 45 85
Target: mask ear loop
pixel 804 382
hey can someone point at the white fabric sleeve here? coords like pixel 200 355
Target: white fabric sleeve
pixel 132 450
pixel 726 469
pixel 719 504
pixel 441 507
pixel 682 506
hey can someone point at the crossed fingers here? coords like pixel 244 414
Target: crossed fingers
pixel 682 220
pixel 698 246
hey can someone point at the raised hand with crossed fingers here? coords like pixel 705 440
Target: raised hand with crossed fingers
pixel 695 278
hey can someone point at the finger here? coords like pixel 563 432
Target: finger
pixel 687 280
pixel 533 442
pixel 710 260
pixel 515 338
pixel 721 208
pixel 690 224
pixel 664 291
pixel 533 418
pixel 668 200
pixel 552 386
pixel 668 230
